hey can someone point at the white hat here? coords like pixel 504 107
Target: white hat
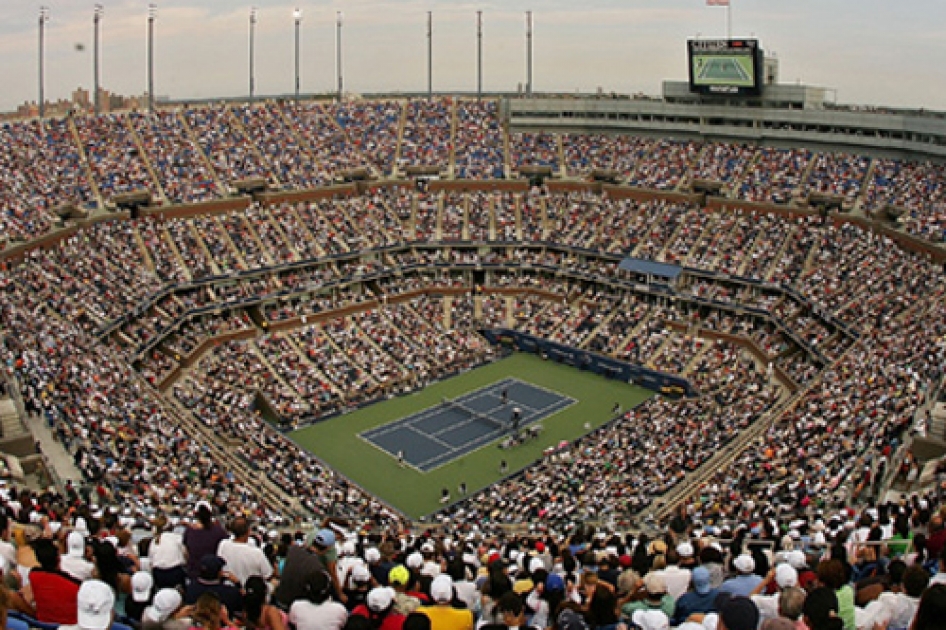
pixel 414 561
pixel 744 563
pixel 380 598
pixel 535 564
pixel 360 573
pixel 372 555
pixel 651 619
pixel 441 589
pixel 95 603
pixel 685 550
pixel 141 583
pixel 427 547
pixel 166 601
pixel 75 544
pixel 796 558
pixel 82 526
pixel 786 576
pixel 348 548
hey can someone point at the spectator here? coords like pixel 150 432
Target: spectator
pixel 316 610
pixel 211 579
pixel 202 538
pixel 165 612
pixel 379 609
pixel 258 613
pixel 701 599
pixel 442 615
pixel 745 581
pixel 167 556
pixel 821 610
pixel 243 559
pixel 54 593
pixel 95 606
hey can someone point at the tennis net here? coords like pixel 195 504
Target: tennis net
pixel 452 404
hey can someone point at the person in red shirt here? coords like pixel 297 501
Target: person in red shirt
pixel 380 609
pixel 55 593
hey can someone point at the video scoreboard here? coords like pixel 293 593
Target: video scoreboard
pixel 725 67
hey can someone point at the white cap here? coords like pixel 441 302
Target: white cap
pixel 441 589
pixel 380 598
pixel 651 619
pixel 95 603
pixel 75 544
pixel 166 601
pixel 744 563
pixel 372 555
pixel 685 550
pixel 786 576
pixel 360 573
pixel 141 583
pixel 414 561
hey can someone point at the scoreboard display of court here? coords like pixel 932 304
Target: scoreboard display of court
pixel 725 67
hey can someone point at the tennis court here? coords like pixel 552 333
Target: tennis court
pixel 720 69
pixel 439 435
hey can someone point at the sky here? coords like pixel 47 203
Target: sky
pixel 872 52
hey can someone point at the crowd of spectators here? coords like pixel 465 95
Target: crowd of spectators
pixel 863 387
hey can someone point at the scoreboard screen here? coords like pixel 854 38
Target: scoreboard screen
pixel 725 67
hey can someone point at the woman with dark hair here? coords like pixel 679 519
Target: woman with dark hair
pixel 602 609
pixel 202 538
pixel 316 610
pixel 821 610
pixel 833 574
pixel 258 614
pixel 110 569
pixel 932 609
pixel 497 585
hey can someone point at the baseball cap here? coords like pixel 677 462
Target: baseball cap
pixel 414 561
pixel 554 582
pixel 685 550
pixel 211 565
pixel 360 573
pixel 441 589
pixel 95 603
pixel 380 598
pixel 75 544
pixel 166 601
pixel 655 584
pixel 744 563
pixel 651 619
pixel 372 555
pixel 739 613
pixel 141 583
pixel 324 538
pixel 701 580
pixel 399 575
pixel 786 576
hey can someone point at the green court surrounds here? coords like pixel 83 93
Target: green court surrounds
pixel 336 441
pixel 730 69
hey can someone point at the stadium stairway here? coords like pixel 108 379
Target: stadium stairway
pixel 211 171
pixel 84 159
pixel 156 182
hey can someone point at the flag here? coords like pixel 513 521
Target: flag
pixel 717 3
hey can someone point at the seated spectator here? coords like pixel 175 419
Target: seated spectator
pixel 738 613
pixel 316 610
pixel 211 579
pixel 744 582
pixel 95 603
pixel 53 591
pixel 821 610
pixel 258 613
pixel 74 562
pixel 654 597
pixel 442 615
pixel 379 609
pixel 701 599
pixel 165 612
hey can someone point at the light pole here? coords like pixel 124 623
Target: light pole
pixel 297 16
pixel 529 53
pixel 252 33
pixel 338 52
pixel 43 18
pixel 430 55
pixel 96 18
pixel 479 54
pixel 152 14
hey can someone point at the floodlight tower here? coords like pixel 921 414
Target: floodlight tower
pixel 97 16
pixel 43 18
pixel 252 42
pixel 297 16
pixel 152 15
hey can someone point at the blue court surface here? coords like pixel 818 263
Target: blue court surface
pixel 439 435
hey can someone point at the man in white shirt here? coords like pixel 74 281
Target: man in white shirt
pixel 243 559
pixel 74 562
pixel 676 578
